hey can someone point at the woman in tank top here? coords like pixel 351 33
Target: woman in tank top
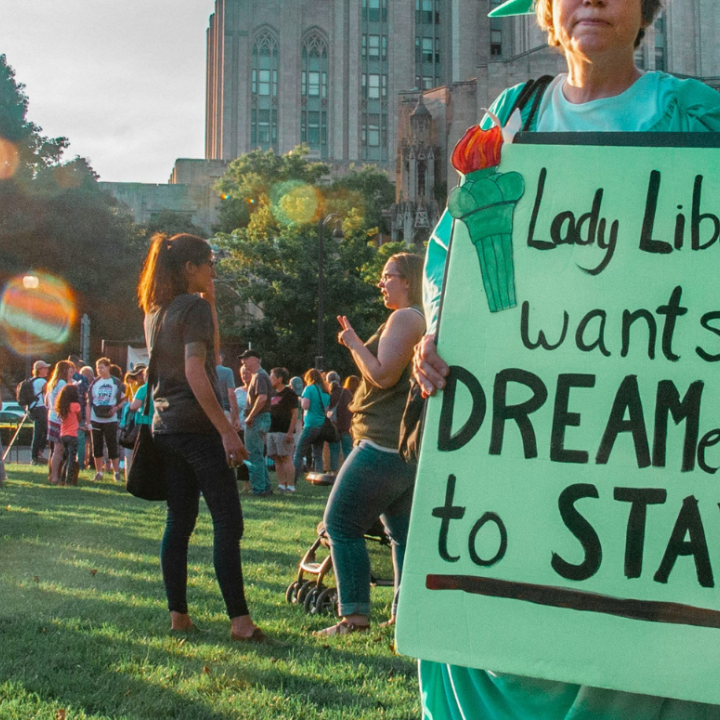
pixel 374 480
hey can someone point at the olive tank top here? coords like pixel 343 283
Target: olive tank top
pixel 377 411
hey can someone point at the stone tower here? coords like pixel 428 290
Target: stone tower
pixel 417 210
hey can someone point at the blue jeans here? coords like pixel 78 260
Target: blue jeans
pixel 255 445
pixel 371 483
pixel 195 464
pixel 346 444
pixel 309 436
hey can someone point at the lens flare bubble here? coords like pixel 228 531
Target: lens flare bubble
pixel 36 320
pixel 295 203
pixel 9 159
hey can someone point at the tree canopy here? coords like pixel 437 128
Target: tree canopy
pixel 268 284
pixel 55 218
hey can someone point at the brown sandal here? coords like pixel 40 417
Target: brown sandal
pixel 258 636
pixel 342 628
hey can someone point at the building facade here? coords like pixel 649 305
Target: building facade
pixel 190 193
pixel 509 51
pixel 343 76
pixel 327 73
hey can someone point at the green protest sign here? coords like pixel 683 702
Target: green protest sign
pixel 566 521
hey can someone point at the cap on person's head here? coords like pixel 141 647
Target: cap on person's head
pixel 249 354
pixel 513 7
pixel 139 366
pixel 39 365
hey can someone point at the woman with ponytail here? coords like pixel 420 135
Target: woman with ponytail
pixel 198 445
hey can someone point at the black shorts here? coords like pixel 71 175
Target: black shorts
pixel 107 432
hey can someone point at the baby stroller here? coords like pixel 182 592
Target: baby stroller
pixel 309 589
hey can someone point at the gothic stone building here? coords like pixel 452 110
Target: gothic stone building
pixel 343 77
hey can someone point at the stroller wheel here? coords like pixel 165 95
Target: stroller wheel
pixel 325 602
pixel 303 591
pixel 291 592
pixel 311 598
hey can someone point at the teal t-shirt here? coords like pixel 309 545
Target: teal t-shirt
pixel 315 414
pixel 141 419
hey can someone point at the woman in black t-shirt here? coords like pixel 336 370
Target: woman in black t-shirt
pixel 197 443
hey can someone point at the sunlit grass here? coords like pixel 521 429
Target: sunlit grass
pixel 83 624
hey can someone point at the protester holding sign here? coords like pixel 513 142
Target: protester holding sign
pixel 374 481
pixel 603 90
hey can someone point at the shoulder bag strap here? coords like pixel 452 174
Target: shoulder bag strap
pixel 322 404
pixel 532 87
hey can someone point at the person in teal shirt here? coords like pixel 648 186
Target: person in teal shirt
pixel 603 90
pixel 314 400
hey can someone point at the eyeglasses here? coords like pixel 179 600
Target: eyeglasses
pixel 386 276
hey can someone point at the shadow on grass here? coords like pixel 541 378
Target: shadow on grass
pixel 83 620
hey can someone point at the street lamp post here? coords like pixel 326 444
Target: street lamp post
pixel 30 282
pixel 337 235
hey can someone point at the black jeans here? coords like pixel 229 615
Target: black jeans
pixel 39 417
pixel 107 432
pixel 195 464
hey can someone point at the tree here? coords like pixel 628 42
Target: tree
pixel 268 284
pixel 20 140
pixel 172 223
pixel 55 218
pixel 254 175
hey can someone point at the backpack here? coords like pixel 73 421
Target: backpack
pixel 25 393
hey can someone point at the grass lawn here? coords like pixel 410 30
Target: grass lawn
pixel 83 624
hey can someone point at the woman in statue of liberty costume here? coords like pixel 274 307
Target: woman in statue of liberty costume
pixel 603 90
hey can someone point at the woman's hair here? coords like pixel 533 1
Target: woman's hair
pixel 115 371
pixel 163 275
pixel 544 13
pixel 352 383
pixel 332 378
pixel 410 267
pixel 314 377
pixel 60 372
pixel 68 395
pixel 281 373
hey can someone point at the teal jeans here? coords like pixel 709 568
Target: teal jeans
pixel 370 484
pixel 255 445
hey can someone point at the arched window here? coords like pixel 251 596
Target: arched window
pixel 314 93
pixel 264 90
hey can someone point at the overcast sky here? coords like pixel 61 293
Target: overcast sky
pixel 124 80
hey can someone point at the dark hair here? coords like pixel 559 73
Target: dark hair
pixel 544 14
pixel 69 394
pixel 163 274
pixel 116 371
pixel 314 377
pixel 410 267
pixel 59 373
pixel 281 373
